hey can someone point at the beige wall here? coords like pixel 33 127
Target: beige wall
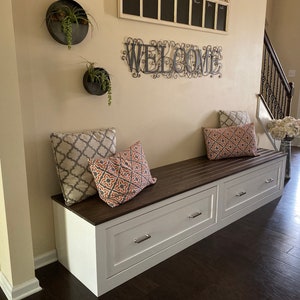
pixel 283 29
pixel 16 254
pixel 269 14
pixel 166 115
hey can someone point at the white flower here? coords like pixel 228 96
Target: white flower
pixel 287 127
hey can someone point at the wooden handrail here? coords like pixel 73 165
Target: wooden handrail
pixel 276 90
pixel 276 61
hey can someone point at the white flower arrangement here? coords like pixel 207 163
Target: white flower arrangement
pixel 286 128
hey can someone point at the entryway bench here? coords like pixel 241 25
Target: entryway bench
pixel 104 247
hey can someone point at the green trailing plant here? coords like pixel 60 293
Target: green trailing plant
pixel 67 15
pixel 100 76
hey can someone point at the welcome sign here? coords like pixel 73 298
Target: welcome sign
pixel 171 60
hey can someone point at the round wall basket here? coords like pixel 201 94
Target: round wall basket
pixel 94 88
pixel 67 22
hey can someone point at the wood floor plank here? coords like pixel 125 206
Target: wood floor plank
pixel 2 295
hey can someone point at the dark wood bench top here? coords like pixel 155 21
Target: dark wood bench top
pixel 172 180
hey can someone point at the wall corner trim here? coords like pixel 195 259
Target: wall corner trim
pixel 19 291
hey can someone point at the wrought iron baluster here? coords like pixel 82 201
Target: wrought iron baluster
pixel 275 88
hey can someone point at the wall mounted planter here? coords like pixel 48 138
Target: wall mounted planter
pixel 96 81
pixel 67 22
pixel 94 88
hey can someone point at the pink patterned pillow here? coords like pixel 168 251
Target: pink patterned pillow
pixel 122 176
pixel 232 141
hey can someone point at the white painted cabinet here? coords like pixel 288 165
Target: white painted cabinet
pixel 108 254
pixel 246 188
pixel 142 236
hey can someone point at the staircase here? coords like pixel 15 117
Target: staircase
pixel 276 92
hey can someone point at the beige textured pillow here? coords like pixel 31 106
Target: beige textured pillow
pixel 71 153
pixel 121 177
pixel 233 118
pixel 232 141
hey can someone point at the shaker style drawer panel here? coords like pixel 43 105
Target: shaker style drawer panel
pixel 132 241
pixel 249 188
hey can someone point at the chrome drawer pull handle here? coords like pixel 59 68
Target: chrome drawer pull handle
pixel 240 194
pixel 194 215
pixel 142 238
pixel 269 180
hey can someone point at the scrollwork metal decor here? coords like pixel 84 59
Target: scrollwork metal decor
pixel 171 60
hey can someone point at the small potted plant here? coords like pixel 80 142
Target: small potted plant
pixel 67 22
pixel 96 81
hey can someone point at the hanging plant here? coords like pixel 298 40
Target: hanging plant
pixel 97 81
pixel 67 22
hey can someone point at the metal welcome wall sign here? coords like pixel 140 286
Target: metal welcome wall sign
pixel 171 60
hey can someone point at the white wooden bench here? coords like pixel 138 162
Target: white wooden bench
pixel 104 247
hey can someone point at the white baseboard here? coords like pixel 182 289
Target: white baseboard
pixel 45 259
pixel 29 287
pixel 19 291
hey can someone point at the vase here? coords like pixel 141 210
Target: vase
pixel 285 147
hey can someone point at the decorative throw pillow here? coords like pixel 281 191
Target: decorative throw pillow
pixel 121 177
pixel 233 118
pixel 71 154
pixel 233 141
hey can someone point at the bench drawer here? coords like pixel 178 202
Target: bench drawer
pixel 247 189
pixel 134 240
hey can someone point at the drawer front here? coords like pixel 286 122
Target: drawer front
pixel 132 241
pixel 249 188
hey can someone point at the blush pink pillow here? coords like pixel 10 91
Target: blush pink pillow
pixel 232 141
pixel 122 176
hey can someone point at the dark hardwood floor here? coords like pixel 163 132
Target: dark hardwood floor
pixel 257 257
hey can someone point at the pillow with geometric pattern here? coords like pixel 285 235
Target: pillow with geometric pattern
pixel 233 118
pixel 232 141
pixel 122 176
pixel 71 153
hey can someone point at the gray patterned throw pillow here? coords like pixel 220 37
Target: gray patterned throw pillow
pixel 233 118
pixel 71 154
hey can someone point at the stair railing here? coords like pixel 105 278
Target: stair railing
pixel 276 91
